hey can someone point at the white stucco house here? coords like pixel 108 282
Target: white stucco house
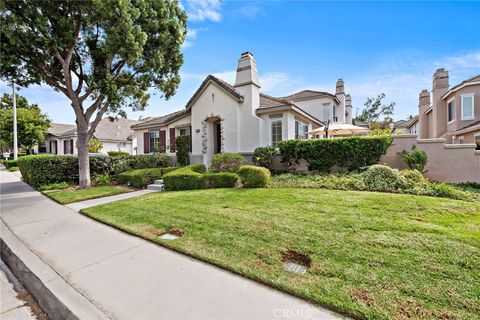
pixel 221 117
pixel 115 135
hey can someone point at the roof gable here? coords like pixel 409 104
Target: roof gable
pixel 475 80
pixel 228 88
pixel 310 94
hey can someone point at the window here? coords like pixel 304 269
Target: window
pixel 276 131
pixel 154 141
pixel 185 132
pixel 327 111
pixel 301 130
pixel 467 106
pixel 477 141
pixel 451 111
pixel 461 140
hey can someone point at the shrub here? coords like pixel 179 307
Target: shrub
pixel 41 169
pixel 102 179
pixel 13 169
pixel 263 156
pixel 118 154
pixel 350 153
pixel 226 162
pixel 327 181
pixel 254 177
pixel 10 163
pixel 221 180
pixel 384 178
pixel 186 178
pixel 140 178
pixel 440 189
pixel 54 186
pixel 182 147
pixel 416 159
pixel 413 175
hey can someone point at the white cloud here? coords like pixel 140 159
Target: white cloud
pixel 200 10
pixel 250 10
pixel 191 37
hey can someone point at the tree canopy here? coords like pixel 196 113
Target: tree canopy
pixel 32 124
pixel 374 109
pixel 103 55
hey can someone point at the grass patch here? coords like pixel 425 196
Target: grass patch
pixel 373 255
pixel 74 195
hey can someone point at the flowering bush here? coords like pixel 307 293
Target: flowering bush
pixel 226 162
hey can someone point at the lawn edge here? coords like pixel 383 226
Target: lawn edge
pixel 339 311
pixel 95 197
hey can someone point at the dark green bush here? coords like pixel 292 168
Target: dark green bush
pixel 118 154
pixel 182 147
pixel 10 163
pixel 140 178
pixel 12 169
pixel 221 180
pixel 350 153
pixel 416 159
pixel 186 178
pixel 263 156
pixel 226 162
pixel 42 169
pixel 254 177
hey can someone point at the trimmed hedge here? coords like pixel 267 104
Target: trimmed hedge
pixel 226 162
pixel 186 178
pixel 140 178
pixel 43 169
pixel 221 180
pixel 254 177
pixel 10 163
pixel 351 153
pixel 118 154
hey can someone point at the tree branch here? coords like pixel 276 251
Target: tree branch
pixel 91 110
pixel 98 118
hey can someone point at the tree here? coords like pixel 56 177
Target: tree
pixel 32 124
pixel 374 110
pixel 7 103
pixel 94 145
pixel 102 55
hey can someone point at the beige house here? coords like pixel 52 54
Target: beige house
pixel 453 113
pixel 221 117
pixel 409 126
pixel 115 135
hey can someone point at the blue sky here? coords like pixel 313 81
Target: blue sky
pixel 390 47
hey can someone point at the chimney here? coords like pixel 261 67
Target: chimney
pixel 423 105
pixel 439 88
pixel 348 109
pixel 247 71
pixel 340 94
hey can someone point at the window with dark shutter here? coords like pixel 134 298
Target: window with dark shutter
pixel 146 142
pixel 172 139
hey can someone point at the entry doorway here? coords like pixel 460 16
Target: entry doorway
pixel 217 134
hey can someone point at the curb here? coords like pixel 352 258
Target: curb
pixel 54 294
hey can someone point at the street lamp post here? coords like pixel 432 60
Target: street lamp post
pixel 15 138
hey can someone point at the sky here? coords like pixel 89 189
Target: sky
pixel 376 47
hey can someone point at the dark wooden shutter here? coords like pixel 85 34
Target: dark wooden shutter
pixel 71 146
pixel 163 140
pixel 190 142
pixel 172 139
pixel 50 146
pixel 146 142
pixel 64 146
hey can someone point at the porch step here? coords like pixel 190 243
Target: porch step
pixel 158 181
pixel 155 187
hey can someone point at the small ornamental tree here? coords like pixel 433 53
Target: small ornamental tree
pixel 102 55
pixel 182 145
pixel 416 159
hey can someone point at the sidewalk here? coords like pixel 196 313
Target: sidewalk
pixel 77 206
pixel 119 276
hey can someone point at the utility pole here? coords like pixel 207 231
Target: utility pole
pixel 15 138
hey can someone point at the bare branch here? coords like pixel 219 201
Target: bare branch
pixel 78 27
pixel 91 110
pixel 98 118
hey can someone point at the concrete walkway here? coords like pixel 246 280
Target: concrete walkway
pixel 77 206
pixel 99 272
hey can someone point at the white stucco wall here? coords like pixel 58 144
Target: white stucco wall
pixel 315 106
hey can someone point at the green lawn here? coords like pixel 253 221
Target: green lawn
pixel 374 255
pixel 74 195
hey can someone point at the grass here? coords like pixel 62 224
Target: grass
pixel 374 255
pixel 74 195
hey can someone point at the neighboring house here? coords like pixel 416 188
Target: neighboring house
pixel 454 113
pixel 115 135
pixel 409 126
pixel 221 117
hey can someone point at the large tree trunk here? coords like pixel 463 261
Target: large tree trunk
pixel 83 161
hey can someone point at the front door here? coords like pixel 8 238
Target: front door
pixel 218 137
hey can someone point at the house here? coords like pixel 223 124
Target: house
pixel 409 126
pixel 114 134
pixel 453 113
pixel 221 117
